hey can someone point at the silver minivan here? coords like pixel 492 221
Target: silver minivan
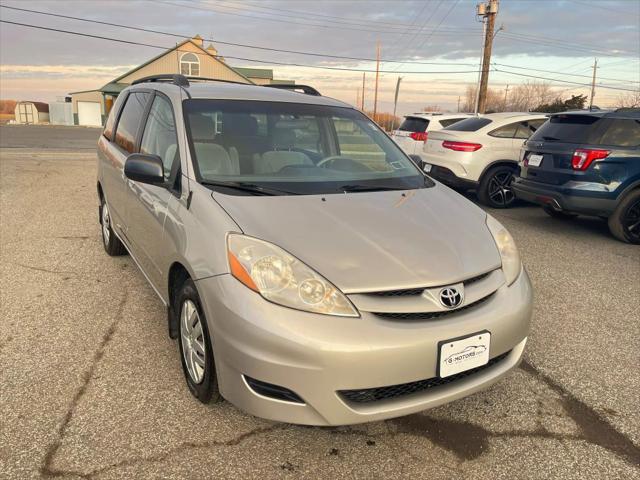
pixel 311 272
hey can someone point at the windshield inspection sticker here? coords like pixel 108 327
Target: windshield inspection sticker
pixel 464 354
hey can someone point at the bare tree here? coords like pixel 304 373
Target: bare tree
pixel 526 96
pixel 494 100
pixel 628 100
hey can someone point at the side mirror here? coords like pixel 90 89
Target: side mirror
pixel 144 169
pixel 417 159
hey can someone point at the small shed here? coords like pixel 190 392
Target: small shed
pixel 32 112
pixel 61 111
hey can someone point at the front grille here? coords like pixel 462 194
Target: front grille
pixel 429 315
pixel 272 391
pixel 418 291
pixel 367 395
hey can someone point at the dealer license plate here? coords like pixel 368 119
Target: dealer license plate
pixel 463 354
pixel 534 160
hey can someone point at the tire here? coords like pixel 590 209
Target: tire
pixel 495 187
pixel 558 213
pixel 624 223
pixel 196 353
pixel 112 244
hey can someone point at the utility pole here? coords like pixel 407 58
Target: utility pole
pixel 506 92
pixel 364 74
pixel 489 12
pixel 395 104
pixel 375 95
pixel 458 103
pixel 593 83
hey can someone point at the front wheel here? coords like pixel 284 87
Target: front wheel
pixel 112 244
pixel 194 342
pixel 624 223
pixel 495 187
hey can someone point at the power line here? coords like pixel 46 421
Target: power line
pixel 563 73
pixel 257 47
pixel 561 81
pixel 296 52
pixel 281 20
pixel 316 14
pixel 273 62
pixel 339 21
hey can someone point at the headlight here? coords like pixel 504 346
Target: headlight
pixel 283 279
pixel 511 264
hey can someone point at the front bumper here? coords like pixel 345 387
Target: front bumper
pixel 564 199
pixel 316 356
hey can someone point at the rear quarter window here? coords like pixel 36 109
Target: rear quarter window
pixel 621 132
pixel 414 124
pixel 113 114
pixel 472 124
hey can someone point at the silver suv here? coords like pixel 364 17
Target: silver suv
pixel 311 272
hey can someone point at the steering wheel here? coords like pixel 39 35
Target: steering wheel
pixel 330 159
pixel 345 164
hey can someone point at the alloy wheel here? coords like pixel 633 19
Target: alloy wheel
pixel 631 221
pixel 106 224
pixel 499 188
pixel 192 338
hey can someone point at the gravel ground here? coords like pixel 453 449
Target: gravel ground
pixel 91 386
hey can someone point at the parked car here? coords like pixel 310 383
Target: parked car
pixel 586 163
pixel 481 153
pixel 415 128
pixel 311 272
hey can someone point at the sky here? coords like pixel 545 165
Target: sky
pixel 434 45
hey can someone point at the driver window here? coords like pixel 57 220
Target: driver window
pixel 355 143
pixel 160 137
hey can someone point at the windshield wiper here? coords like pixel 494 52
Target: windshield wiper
pixel 369 188
pixel 248 187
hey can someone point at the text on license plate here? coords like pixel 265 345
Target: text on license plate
pixel 534 160
pixel 463 354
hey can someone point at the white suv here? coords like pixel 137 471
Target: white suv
pixel 481 153
pixel 413 131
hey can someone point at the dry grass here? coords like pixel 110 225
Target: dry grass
pixel 5 117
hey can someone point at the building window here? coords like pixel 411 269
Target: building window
pixel 189 64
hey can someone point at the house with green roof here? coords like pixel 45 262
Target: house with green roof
pixel 190 57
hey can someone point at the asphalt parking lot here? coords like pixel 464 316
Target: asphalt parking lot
pixel 91 385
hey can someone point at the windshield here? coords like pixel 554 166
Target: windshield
pixel 293 148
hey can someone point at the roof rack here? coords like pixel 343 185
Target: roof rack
pixel 304 88
pixel 174 78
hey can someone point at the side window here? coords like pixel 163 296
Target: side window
pixel 113 114
pixel 526 129
pixel 507 131
pixel 622 133
pixel 449 121
pixel 130 120
pixel 160 137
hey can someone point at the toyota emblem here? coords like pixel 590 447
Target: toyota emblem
pixel 451 297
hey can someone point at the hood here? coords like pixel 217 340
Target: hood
pixel 374 241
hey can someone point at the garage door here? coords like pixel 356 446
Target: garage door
pixel 89 114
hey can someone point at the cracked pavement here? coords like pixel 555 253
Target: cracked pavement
pixel 91 385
